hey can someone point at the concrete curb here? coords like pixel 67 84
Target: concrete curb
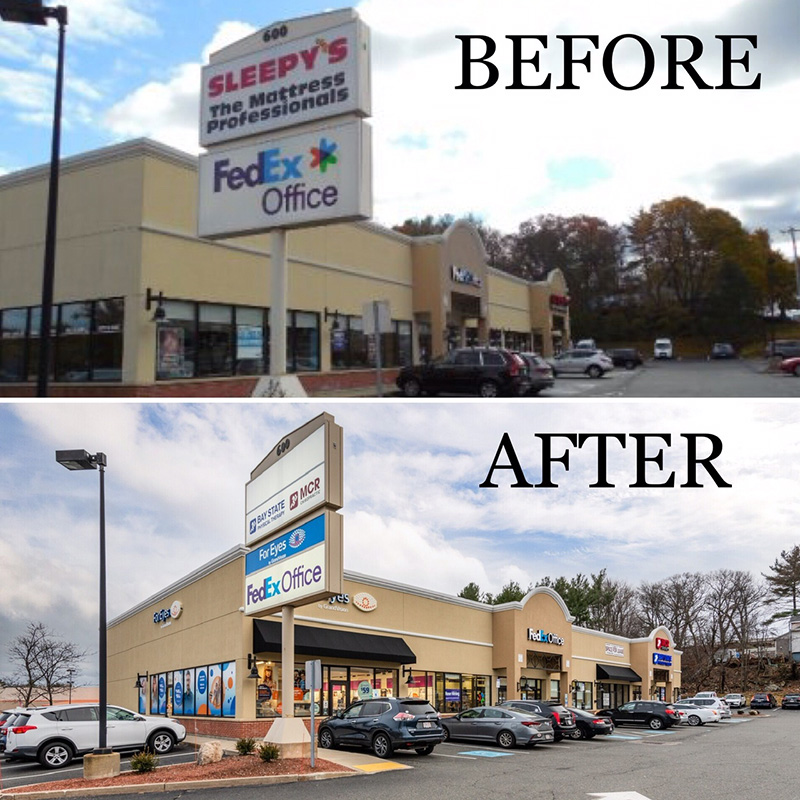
pixel 152 788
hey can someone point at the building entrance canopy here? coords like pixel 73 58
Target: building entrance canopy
pixel 606 672
pixel 332 644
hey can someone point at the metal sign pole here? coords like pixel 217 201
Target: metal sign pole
pixel 376 318
pixel 278 302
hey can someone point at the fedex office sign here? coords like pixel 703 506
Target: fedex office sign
pixel 287 181
pixel 286 581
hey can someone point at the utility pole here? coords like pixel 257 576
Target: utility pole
pixel 792 231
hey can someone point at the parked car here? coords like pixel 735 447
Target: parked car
pixel 562 720
pixel 696 715
pixel 705 694
pixel 627 357
pixel 735 700
pixel 588 724
pixel 589 344
pixel 711 702
pixel 763 700
pixel 486 371
pixel 383 725
pixel 723 350
pixel 791 365
pixel 540 373
pixel 583 361
pixel 791 701
pixel 54 735
pixel 662 348
pixel 783 348
pixel 6 720
pixel 505 726
pixel 653 713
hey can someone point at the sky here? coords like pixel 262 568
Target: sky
pixel 414 510
pixel 133 69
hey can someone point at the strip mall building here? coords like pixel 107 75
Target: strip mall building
pixel 191 652
pixel 127 235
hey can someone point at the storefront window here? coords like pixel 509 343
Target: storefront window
pixel 405 354
pixel 33 341
pixel 555 689
pixel 451 693
pixel 75 327
pixel 302 342
pixel 250 341
pixel 12 344
pixel 360 684
pixel 176 342
pixel 582 695
pixel 339 695
pixel 109 316
pixel 214 341
pixel 530 689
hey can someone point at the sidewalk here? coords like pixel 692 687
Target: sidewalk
pixel 359 760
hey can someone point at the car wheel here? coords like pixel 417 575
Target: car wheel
pixel 656 723
pixel 506 739
pixel 693 720
pixel 797 371
pixel 577 734
pixel 425 751
pixel 412 388
pixel 55 755
pixel 381 745
pixel 630 364
pixel 326 739
pixel 161 742
pixel 488 389
pixel 594 371
pixel 446 733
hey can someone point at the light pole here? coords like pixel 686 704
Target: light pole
pixel 80 460
pixel 32 12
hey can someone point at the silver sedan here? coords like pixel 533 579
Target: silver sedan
pixel 503 726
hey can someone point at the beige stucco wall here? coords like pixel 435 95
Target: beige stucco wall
pixel 509 303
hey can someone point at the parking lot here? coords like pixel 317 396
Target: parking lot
pixel 747 756
pixel 682 378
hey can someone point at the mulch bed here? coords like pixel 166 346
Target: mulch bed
pixel 230 767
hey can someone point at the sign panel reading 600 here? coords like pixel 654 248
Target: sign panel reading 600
pixel 285 84
pixel 290 488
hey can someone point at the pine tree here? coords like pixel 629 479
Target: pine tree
pixel 784 582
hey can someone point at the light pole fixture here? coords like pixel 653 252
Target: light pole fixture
pixel 335 315
pixel 407 671
pixel 160 314
pixel 71 681
pixel 252 666
pixel 81 460
pixel 141 681
pixel 33 12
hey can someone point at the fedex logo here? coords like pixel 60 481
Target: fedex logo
pixel 273 166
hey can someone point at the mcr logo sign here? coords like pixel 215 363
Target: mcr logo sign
pixel 662 644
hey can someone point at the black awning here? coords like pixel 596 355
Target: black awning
pixel 605 672
pixel 333 644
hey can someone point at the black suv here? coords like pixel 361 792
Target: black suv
pixel 628 357
pixel 763 700
pixel 486 371
pixel 653 713
pixel 383 725
pixel 562 719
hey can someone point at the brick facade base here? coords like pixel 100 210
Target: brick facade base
pixel 232 728
pixel 315 384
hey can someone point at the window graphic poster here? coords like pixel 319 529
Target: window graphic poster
pixel 177 692
pixel 154 694
pixel 162 693
pixel 201 691
pixel 143 697
pixel 188 691
pixel 215 690
pixel 229 689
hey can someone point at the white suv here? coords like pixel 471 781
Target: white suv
pixel 56 734
pixel 711 702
